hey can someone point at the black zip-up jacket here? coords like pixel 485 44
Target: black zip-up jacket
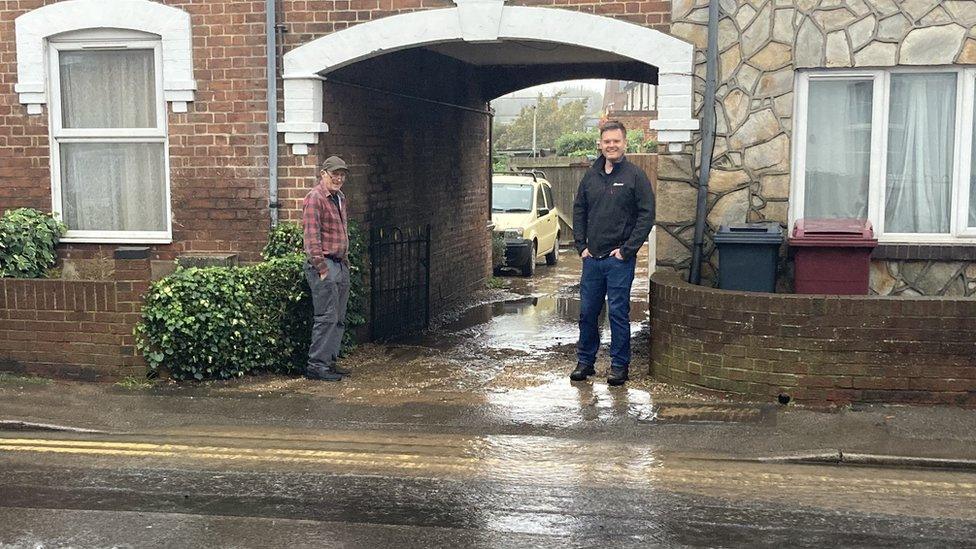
pixel 613 210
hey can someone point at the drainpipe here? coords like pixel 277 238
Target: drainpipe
pixel 271 29
pixel 708 140
pixel 491 157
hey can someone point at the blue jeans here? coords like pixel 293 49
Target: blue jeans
pixel 611 278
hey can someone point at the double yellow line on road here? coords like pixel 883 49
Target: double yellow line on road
pixel 230 453
pixel 558 466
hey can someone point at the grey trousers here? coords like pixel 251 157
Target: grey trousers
pixel 329 299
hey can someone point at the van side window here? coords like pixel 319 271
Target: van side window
pixel 540 200
pixel 549 201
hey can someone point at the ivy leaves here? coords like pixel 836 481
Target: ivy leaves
pixel 224 322
pixel 27 241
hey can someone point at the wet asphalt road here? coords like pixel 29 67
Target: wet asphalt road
pixel 469 436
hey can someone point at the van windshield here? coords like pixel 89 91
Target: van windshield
pixel 511 198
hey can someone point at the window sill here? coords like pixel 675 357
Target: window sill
pixel 925 252
pixel 74 238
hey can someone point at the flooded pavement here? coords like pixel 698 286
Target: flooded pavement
pixel 470 435
pixel 536 316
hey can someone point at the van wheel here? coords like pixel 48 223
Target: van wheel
pixel 529 268
pixel 553 257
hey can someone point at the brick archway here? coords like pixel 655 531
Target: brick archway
pixel 486 22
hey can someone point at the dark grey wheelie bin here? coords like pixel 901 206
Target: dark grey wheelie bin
pixel 747 256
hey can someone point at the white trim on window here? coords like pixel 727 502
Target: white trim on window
pixel 966 138
pixel 962 157
pixel 60 135
pixel 36 28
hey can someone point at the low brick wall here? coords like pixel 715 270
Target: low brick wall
pixel 820 350
pixel 74 328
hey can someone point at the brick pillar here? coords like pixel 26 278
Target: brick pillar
pixel 132 278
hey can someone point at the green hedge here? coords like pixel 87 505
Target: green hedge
pixel 224 322
pixel 27 241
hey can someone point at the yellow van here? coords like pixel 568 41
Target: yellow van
pixel 525 215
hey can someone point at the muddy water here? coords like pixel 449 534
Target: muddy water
pixel 541 313
pixel 509 358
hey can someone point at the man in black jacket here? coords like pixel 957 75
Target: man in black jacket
pixel 612 216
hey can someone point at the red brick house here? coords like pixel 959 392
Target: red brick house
pixel 145 124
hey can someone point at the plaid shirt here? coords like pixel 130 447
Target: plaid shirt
pixel 325 228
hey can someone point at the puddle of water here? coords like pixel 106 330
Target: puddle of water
pixel 533 324
pixel 561 403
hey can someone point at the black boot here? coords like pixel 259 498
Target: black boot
pixel 618 376
pixel 582 372
pixel 321 374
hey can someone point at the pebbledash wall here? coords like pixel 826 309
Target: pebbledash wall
pixel 763 44
pixel 819 350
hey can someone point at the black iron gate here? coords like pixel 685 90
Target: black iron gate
pixel 399 281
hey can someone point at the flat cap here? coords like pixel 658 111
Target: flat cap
pixel 334 163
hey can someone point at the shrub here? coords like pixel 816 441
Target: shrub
pixel 577 143
pixel 285 301
pixel 637 144
pixel 497 250
pixel 285 238
pixel 27 241
pixel 206 323
pixel 584 143
pixel 223 322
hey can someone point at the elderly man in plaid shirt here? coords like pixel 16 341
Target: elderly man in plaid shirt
pixel 327 268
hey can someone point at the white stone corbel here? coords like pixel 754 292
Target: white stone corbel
pixel 303 113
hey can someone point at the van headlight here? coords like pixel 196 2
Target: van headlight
pixel 514 233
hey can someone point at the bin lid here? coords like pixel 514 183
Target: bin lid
pixel 750 233
pixel 842 232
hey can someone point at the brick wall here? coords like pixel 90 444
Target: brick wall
pixel 432 158
pixel 413 161
pixel 218 150
pixel 73 328
pixel 820 350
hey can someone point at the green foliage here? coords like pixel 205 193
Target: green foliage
pixel 637 144
pixel 497 250
pixel 134 383
pixel 496 283
pixel 285 238
pixel 552 120
pixel 577 143
pixel 223 322
pixel 585 143
pixel 500 163
pixel 358 289
pixel 15 379
pixel 204 323
pixel 27 241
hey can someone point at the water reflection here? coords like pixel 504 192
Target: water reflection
pixel 561 403
pixel 532 324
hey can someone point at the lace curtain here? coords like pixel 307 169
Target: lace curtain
pixel 117 183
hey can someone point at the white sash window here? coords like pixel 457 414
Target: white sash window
pixel 109 166
pixel 893 146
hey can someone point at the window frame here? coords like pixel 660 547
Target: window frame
pixel 99 40
pixel 962 156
